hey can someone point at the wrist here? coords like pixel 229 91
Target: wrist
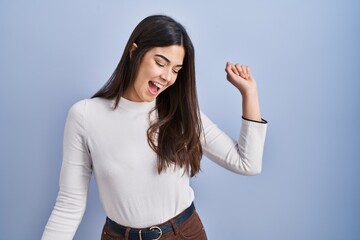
pixel 250 94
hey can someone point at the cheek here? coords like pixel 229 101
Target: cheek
pixel 150 70
pixel 146 72
pixel 144 76
pixel 175 77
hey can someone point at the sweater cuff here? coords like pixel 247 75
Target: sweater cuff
pixel 263 121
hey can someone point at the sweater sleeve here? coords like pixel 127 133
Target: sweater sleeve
pixel 75 174
pixel 243 156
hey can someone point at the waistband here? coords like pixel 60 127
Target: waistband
pixel 154 232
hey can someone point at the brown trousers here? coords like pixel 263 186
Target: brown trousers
pixel 191 229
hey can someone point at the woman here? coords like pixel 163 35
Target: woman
pixel 143 136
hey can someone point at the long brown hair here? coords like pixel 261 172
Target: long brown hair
pixel 175 134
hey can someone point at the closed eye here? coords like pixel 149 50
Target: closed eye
pixel 177 69
pixel 160 64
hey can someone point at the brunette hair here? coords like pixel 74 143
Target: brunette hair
pixel 175 134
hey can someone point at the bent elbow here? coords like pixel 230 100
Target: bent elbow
pixel 253 172
pixel 249 169
pixel 252 166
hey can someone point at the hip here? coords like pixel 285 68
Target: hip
pixel 186 225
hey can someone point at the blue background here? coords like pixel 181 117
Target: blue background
pixel 305 56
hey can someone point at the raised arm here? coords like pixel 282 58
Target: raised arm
pixel 240 76
pixel 243 156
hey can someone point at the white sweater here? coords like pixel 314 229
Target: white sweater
pixel 113 145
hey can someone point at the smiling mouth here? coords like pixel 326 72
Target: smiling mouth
pixel 154 87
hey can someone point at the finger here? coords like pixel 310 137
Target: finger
pixel 240 70
pixel 233 68
pixel 230 69
pixel 232 74
pixel 248 72
pixel 245 70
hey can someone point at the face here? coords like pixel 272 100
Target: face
pixel 158 70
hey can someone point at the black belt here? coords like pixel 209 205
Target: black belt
pixel 152 233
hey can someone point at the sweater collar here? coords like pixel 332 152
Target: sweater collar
pixel 136 106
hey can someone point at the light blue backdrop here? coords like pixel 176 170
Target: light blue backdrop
pixel 305 56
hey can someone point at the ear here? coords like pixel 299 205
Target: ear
pixel 132 49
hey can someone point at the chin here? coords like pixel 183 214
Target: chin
pixel 149 98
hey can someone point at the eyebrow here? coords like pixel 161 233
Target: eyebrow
pixel 166 59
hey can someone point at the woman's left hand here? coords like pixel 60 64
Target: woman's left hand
pixel 240 76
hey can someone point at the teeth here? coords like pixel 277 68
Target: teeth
pixel 158 85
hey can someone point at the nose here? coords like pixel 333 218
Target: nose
pixel 166 75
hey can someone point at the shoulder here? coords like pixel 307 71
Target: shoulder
pixel 90 105
pixel 86 111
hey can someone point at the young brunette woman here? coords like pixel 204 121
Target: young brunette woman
pixel 142 135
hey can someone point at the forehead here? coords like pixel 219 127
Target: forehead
pixel 174 53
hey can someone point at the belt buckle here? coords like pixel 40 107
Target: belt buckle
pixel 159 229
